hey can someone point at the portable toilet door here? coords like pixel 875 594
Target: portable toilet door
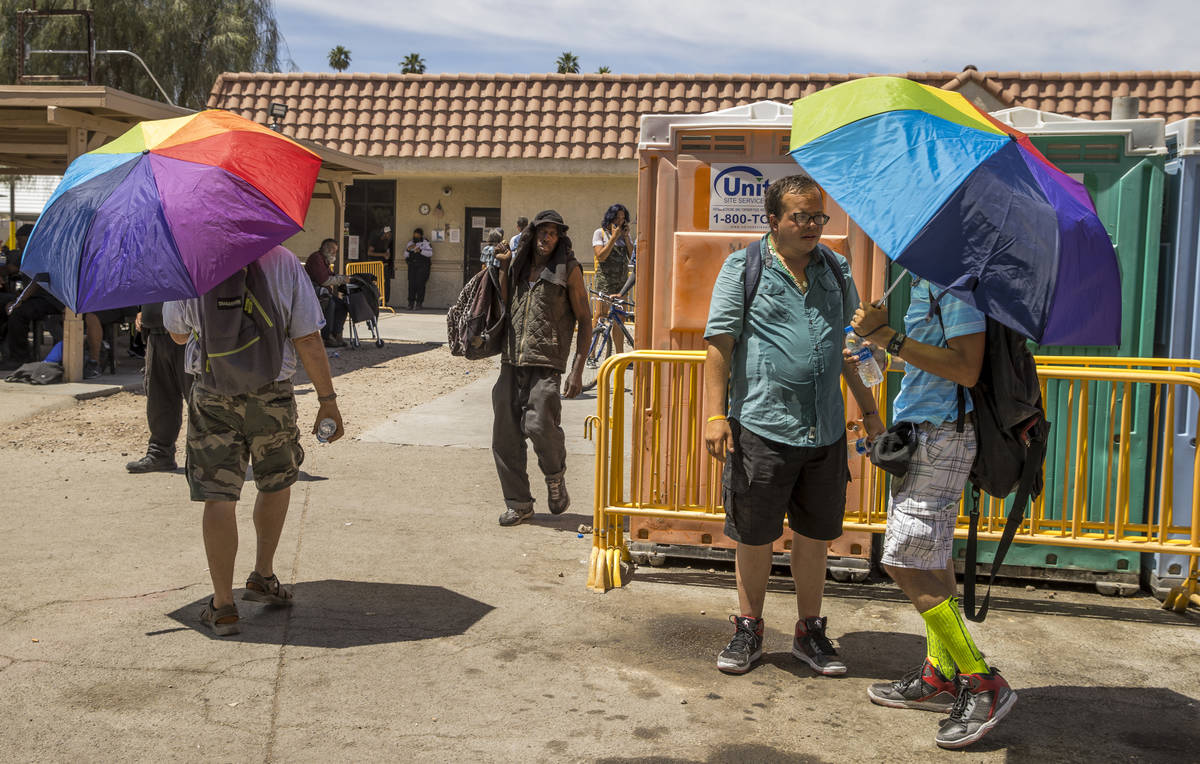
pixel 701 180
pixel 1121 163
pixel 1178 334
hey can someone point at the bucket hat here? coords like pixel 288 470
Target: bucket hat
pixel 549 216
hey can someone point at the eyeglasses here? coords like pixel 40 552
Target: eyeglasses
pixel 802 219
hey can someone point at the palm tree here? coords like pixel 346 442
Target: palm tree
pixel 339 58
pixel 412 64
pixel 567 63
pixel 604 70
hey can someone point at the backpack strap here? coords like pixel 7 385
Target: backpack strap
pixel 750 277
pixel 1016 515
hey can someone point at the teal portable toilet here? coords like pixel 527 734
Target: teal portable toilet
pixel 1121 163
pixel 1178 331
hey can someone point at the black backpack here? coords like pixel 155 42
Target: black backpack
pixel 754 268
pixel 241 334
pixel 1010 433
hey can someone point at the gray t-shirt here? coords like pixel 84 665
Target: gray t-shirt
pixel 293 293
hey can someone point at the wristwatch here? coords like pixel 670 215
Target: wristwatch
pixel 897 342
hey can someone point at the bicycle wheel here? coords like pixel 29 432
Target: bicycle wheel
pixel 599 349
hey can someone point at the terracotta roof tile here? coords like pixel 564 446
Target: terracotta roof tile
pixel 588 116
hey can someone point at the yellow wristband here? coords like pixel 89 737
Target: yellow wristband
pixel 718 417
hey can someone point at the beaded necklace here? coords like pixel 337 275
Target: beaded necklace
pixel 801 284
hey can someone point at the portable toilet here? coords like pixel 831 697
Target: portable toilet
pixel 1178 331
pixel 701 180
pixel 1121 163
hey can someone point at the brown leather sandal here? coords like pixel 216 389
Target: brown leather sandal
pixel 268 590
pixel 222 620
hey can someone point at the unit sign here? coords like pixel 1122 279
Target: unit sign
pixel 735 196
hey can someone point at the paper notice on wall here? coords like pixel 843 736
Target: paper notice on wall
pixel 478 221
pixel 735 194
pixel 352 247
pixel 455 235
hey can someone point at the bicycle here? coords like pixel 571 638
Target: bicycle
pixel 601 346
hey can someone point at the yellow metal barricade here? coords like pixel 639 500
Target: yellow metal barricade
pixel 651 460
pixel 374 267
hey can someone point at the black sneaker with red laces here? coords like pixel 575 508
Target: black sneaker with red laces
pixel 745 647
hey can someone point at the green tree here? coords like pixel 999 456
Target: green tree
pixel 567 63
pixel 185 43
pixel 604 70
pixel 412 64
pixel 339 58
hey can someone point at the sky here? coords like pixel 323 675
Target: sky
pixel 727 36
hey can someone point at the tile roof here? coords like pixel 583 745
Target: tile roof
pixel 595 116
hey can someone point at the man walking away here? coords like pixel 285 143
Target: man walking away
pixel 227 431
pixel 542 284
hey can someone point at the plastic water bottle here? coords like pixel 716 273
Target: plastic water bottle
pixel 868 369
pixel 858 448
pixel 326 429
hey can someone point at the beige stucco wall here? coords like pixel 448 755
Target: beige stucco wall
pixel 446 272
pixel 318 225
pixel 581 200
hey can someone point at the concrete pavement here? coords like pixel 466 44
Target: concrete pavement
pixel 424 632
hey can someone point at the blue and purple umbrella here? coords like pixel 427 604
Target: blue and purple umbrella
pixel 169 210
pixel 964 201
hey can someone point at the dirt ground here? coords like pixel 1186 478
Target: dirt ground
pixel 371 383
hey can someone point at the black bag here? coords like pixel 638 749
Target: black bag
pixel 241 334
pixel 478 320
pixel 1010 434
pixel 893 450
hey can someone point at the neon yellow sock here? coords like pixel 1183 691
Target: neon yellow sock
pixel 944 621
pixel 937 654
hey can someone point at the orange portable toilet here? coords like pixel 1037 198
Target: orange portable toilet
pixel 701 179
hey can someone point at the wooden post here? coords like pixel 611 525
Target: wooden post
pixel 72 322
pixel 337 190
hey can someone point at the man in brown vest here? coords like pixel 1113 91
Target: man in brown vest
pixel 542 284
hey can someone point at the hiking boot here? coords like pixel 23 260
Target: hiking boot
pixel 335 342
pixel 814 648
pixel 91 369
pixel 513 516
pixel 745 647
pixel 557 498
pixel 152 463
pixel 983 700
pixel 923 688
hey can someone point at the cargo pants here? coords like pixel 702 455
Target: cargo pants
pixel 525 404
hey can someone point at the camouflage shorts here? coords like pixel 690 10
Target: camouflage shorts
pixel 228 432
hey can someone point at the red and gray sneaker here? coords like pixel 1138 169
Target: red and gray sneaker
pixel 983 700
pixel 923 688
pixel 814 648
pixel 745 647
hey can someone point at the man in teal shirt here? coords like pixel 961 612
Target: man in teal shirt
pixel 783 439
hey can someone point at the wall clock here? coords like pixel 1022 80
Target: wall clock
pixel 423 209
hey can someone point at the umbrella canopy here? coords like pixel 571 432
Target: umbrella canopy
pixel 169 210
pixel 964 201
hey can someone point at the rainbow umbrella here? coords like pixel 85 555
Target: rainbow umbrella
pixel 966 202
pixel 169 210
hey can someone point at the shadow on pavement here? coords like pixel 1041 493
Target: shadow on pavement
pixel 882 589
pixel 350 359
pixel 1093 724
pixel 339 614
pixel 733 753
pixel 568 521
